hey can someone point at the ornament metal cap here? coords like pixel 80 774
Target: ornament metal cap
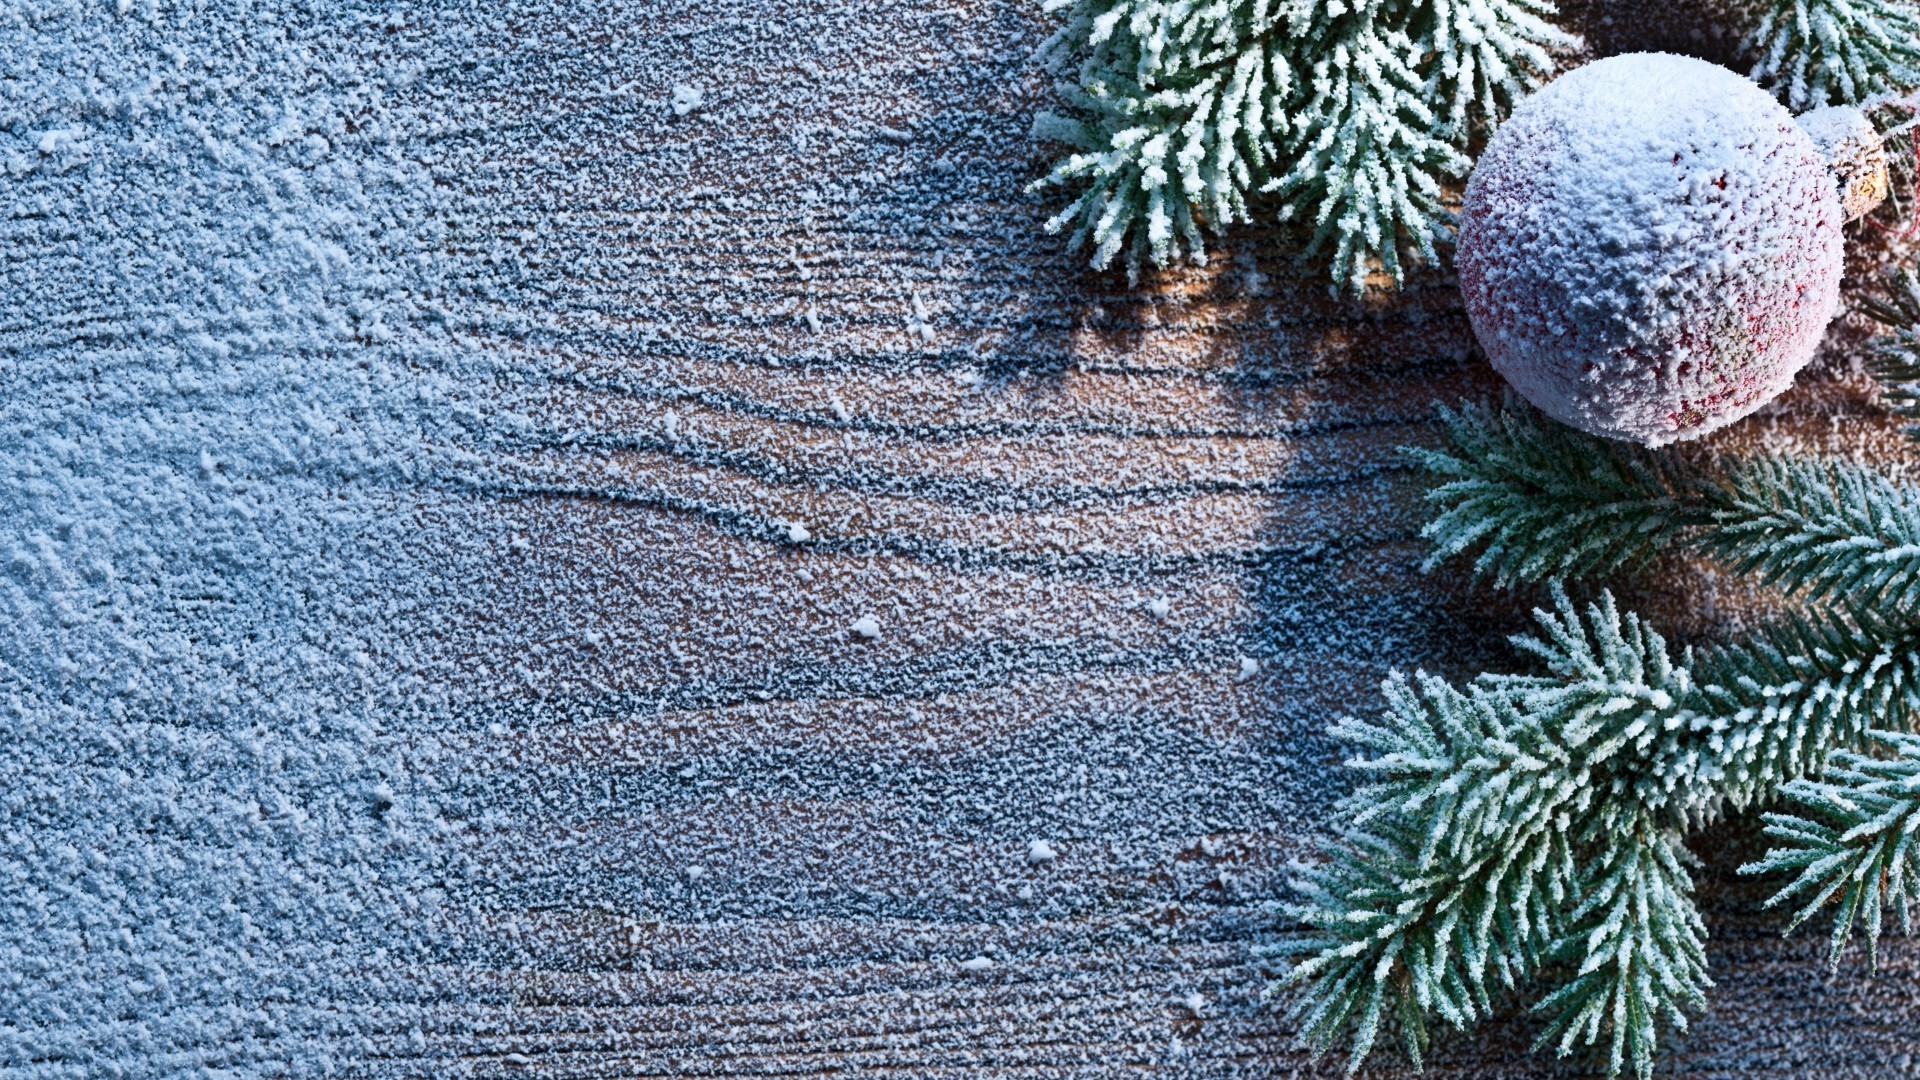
pixel 1855 155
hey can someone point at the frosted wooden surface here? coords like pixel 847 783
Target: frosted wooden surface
pixel 738 838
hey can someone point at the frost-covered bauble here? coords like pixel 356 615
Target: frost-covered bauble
pixel 1650 248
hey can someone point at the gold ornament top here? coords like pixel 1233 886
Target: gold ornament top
pixel 1854 153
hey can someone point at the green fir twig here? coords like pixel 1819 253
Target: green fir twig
pixel 1853 842
pixel 1569 791
pixel 1353 115
pixel 1528 499
pixel 1835 52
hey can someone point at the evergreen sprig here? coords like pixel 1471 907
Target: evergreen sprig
pixel 1355 114
pixel 1641 948
pixel 1822 530
pixel 1570 790
pixel 1775 704
pixel 1835 52
pixel 1531 499
pixel 1466 859
pixel 1539 500
pixel 1527 831
pixel 1170 107
pixel 1393 939
pixel 1854 842
pixel 1368 154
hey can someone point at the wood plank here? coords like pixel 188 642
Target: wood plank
pixel 706 828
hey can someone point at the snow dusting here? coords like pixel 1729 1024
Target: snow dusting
pixel 574 539
pixel 217 247
pixel 426 544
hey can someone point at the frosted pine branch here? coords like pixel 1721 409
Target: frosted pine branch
pixel 1368 154
pixel 1462 860
pixel 1169 108
pixel 1443 888
pixel 1820 529
pixel 1532 499
pixel 1521 820
pixel 1390 942
pixel 1853 842
pixel 1537 500
pixel 1640 947
pixel 1487 54
pixel 1774 705
pixel 1896 357
pixel 1356 114
pixel 1835 52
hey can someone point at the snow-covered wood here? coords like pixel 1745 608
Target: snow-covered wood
pixel 440 541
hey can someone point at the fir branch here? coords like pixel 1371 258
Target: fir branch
pixel 1178 110
pixel 1487 55
pixel 1895 358
pixel 1169 108
pixel 1531 818
pixel 1534 499
pixel 1835 52
pixel 1390 940
pixel 1539 500
pixel 1611 691
pixel 1818 529
pixel 1460 867
pixel 1852 841
pixel 1773 706
pixel 1640 945
pixel 1369 156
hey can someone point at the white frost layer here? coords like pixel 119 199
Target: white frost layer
pixel 207 847
pixel 281 260
pixel 1650 248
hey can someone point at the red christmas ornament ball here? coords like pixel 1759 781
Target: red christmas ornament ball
pixel 1650 248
